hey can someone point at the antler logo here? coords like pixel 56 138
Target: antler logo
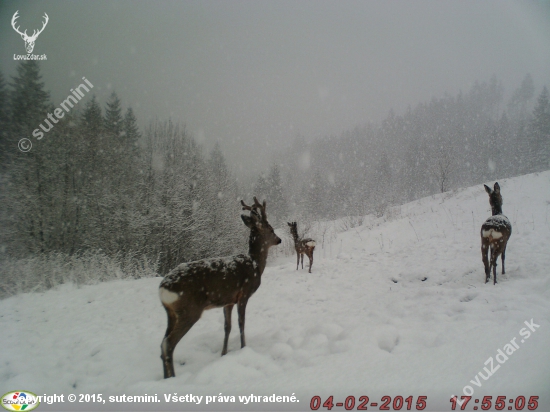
pixel 29 40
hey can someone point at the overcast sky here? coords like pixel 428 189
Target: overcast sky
pixel 255 74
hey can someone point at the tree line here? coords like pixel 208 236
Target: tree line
pixel 95 182
pixel 446 143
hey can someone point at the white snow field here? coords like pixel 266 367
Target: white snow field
pixel 396 307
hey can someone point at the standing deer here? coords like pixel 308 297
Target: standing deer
pixel 495 233
pixel 302 246
pixel 193 287
pixel 29 40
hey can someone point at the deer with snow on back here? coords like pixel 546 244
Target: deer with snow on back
pixel 29 40
pixel 302 246
pixel 495 233
pixel 193 287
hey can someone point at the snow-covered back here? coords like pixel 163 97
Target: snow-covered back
pixel 394 307
pixel 498 221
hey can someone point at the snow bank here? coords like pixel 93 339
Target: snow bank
pixel 396 307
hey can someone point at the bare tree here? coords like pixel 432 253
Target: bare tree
pixel 442 168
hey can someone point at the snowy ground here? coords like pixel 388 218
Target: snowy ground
pixel 397 306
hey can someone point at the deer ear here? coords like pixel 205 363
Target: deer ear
pixel 290 224
pixel 248 221
pixel 488 189
pixel 251 221
pixel 497 187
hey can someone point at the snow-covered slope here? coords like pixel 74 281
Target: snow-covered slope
pixel 397 306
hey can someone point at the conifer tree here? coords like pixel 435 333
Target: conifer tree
pixel 315 197
pixel 131 130
pixel 278 205
pixel 517 106
pixel 29 105
pixel 225 232
pixel 91 169
pixel 4 125
pixel 540 127
pixel 29 101
pixel 114 123
pixel 260 188
pixel 91 125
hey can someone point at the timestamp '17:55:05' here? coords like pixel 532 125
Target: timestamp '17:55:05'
pixel 516 404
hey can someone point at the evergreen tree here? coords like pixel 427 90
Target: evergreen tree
pixel 382 188
pixel 4 125
pixel 315 197
pixel 502 160
pixel 218 166
pixel 121 173
pixel 29 101
pixel 225 232
pixel 517 106
pixel 92 118
pixel 540 127
pixel 277 201
pixel 29 107
pixel 92 132
pixel 114 123
pixel 131 130
pixel 261 188
pixel 91 170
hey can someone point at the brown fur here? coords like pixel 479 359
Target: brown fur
pixel 194 287
pixel 495 233
pixel 301 246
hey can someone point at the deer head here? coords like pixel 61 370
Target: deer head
pixel 258 224
pixel 495 198
pixel 293 228
pixel 29 40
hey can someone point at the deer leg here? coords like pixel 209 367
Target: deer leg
pixel 241 309
pixel 302 255
pixel 310 261
pixel 165 356
pixel 494 257
pixel 227 314
pixel 297 260
pixel 503 257
pixel 178 326
pixel 484 251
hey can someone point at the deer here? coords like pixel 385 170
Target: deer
pixel 495 233
pixel 29 40
pixel 302 246
pixel 193 287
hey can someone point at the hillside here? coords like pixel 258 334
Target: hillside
pixel 397 306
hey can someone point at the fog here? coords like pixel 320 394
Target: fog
pixel 254 75
pixel 372 125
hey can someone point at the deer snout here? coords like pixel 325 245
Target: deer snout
pixel 278 241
